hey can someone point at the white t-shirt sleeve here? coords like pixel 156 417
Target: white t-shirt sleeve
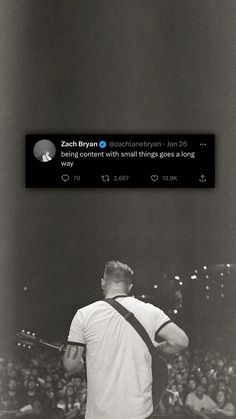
pixel 161 318
pixel 211 405
pixel 189 401
pixel 76 333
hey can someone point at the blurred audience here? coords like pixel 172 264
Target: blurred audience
pixel 35 385
pixel 197 380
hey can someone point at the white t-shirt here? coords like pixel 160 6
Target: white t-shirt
pixel 118 361
pixel 205 403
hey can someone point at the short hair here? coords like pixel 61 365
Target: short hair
pixel 116 271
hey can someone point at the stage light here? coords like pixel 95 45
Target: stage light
pixel 177 277
pixel 207 287
pixel 207 276
pixel 25 288
pixel 143 296
pixel 175 311
pixel 222 285
pixel 196 271
pixel 221 274
pixel 205 267
pixel 193 277
pixel 207 297
pixel 222 295
pixel 155 286
pixel 228 265
pixel 180 283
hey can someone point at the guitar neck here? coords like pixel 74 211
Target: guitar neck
pixel 50 345
pixel 28 340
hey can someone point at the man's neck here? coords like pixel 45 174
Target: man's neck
pixel 114 293
pixel 12 392
pixel 200 397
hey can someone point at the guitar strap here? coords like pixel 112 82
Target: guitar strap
pixel 130 317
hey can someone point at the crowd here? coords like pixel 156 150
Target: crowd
pixel 203 384
pixel 35 385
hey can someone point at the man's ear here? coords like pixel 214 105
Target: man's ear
pixel 130 287
pixel 102 283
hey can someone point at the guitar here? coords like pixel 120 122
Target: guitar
pixel 159 379
pixel 159 366
pixel 28 340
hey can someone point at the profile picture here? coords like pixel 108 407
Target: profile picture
pixel 44 150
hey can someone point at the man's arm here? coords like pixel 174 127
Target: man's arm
pixel 174 339
pixel 228 410
pixel 72 358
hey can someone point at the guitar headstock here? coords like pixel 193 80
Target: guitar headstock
pixel 26 339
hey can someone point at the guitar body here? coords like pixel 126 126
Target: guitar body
pixel 159 379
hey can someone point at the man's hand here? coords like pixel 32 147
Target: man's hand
pixel 175 339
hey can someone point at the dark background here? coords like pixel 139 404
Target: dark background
pixel 131 66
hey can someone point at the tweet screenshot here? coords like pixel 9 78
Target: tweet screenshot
pixel 120 161
pixel 118 209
